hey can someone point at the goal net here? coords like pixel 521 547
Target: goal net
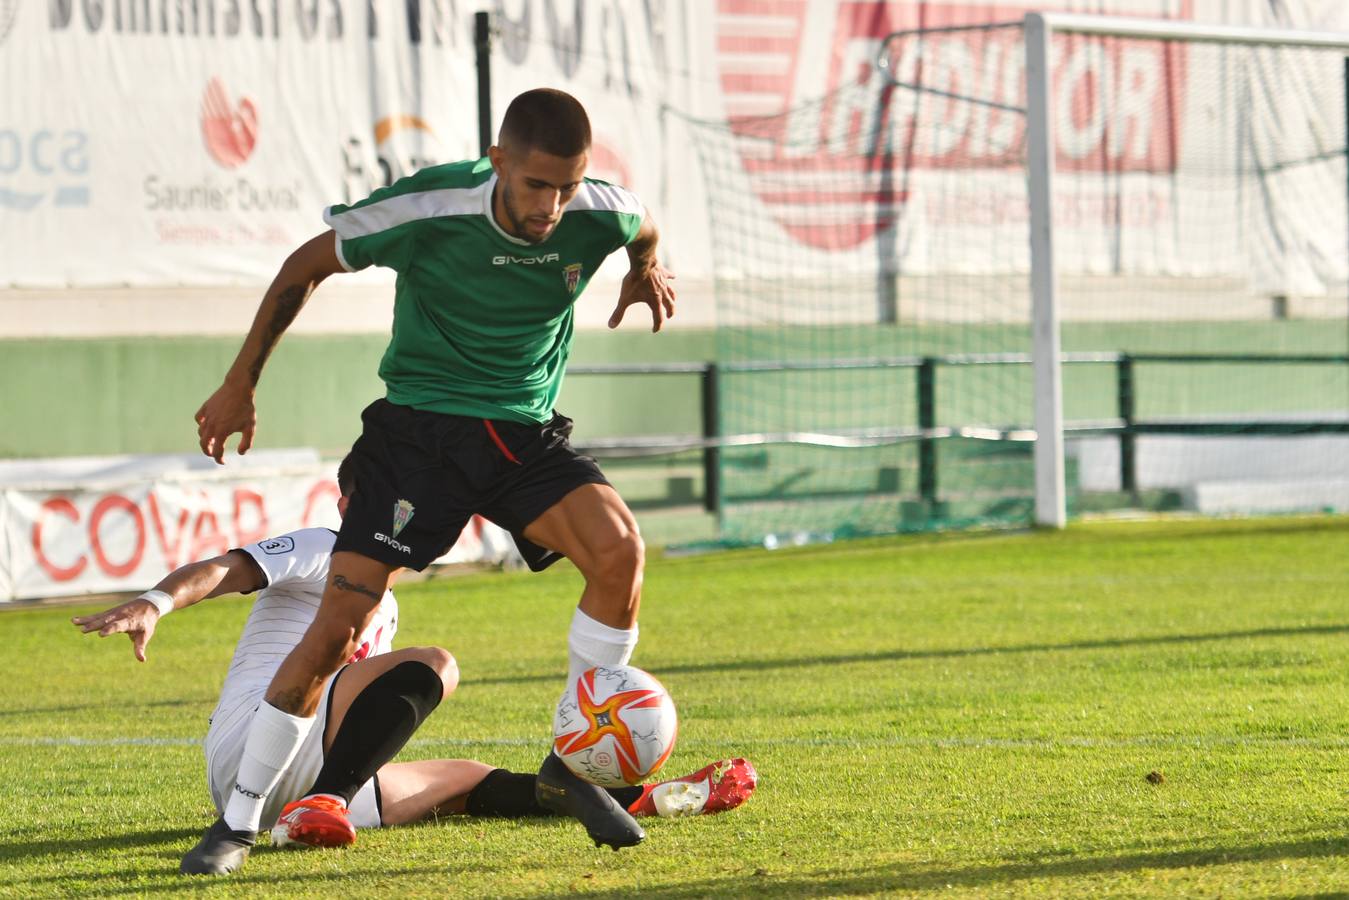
pixel 1197 217
pixel 877 285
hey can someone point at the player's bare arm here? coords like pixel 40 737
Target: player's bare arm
pixel 647 280
pixel 230 409
pixel 356 584
pixel 233 573
pixel 341 583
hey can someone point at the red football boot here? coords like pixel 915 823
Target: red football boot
pixel 723 785
pixel 316 821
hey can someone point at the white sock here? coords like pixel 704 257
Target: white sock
pixel 591 643
pixel 273 740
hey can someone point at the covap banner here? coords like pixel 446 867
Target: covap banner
pixel 125 536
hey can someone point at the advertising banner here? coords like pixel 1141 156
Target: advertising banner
pixel 196 142
pixel 98 537
pixel 148 144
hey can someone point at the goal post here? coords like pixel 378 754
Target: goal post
pixel 1051 507
pixel 1040 30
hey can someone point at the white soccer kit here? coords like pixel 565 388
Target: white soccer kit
pixel 296 568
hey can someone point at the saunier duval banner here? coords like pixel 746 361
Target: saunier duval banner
pixel 151 142
pixel 162 142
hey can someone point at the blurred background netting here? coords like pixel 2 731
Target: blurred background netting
pixel 872 278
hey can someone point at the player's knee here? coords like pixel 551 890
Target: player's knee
pixel 414 682
pixel 619 562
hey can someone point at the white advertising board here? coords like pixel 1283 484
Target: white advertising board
pixel 124 534
pixel 155 143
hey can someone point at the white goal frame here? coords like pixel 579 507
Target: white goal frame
pixel 1039 30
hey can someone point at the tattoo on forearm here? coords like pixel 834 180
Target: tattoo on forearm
pixel 341 583
pixel 642 254
pixel 288 304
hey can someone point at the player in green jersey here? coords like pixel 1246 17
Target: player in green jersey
pixel 491 255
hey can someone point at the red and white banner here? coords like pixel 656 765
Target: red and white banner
pixel 197 143
pixel 1159 147
pixel 126 536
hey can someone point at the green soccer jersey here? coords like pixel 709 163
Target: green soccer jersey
pixel 482 321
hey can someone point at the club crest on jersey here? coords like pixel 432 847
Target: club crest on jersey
pixel 402 515
pixel 571 276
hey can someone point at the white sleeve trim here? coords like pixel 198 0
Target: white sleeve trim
pixel 609 197
pixel 391 212
pixel 337 244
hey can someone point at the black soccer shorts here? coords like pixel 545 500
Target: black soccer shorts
pixel 420 475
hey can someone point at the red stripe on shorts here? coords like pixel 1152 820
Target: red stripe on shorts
pixel 501 445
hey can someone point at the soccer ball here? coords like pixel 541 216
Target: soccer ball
pixel 615 726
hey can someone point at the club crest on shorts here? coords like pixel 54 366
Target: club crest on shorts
pixel 402 515
pixel 571 276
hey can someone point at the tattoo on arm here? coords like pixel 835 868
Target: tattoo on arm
pixel 642 254
pixel 642 248
pixel 289 701
pixel 340 582
pixel 288 304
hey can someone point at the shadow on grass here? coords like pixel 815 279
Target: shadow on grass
pixel 165 848
pixel 93 846
pixel 255 879
pixel 752 665
pixel 900 876
pixel 918 876
pixel 103 704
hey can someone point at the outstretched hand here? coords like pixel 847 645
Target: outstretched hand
pixel 136 618
pixel 650 286
pixel 228 411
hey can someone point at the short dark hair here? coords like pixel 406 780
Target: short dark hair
pixel 346 476
pixel 546 119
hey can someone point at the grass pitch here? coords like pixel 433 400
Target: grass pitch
pixel 975 715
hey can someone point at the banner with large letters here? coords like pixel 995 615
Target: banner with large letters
pixel 125 534
pixel 196 142
pixel 1172 159
pixel 166 142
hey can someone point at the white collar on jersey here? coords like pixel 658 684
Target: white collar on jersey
pixel 491 214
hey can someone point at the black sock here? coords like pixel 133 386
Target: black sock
pixel 510 795
pixel 377 725
pixel 626 796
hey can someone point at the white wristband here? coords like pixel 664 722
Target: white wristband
pixel 160 600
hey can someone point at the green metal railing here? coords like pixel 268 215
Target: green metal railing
pixel 1128 427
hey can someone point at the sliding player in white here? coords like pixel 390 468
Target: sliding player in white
pixel 342 777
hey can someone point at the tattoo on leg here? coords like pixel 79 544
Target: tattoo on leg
pixel 289 701
pixel 340 582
